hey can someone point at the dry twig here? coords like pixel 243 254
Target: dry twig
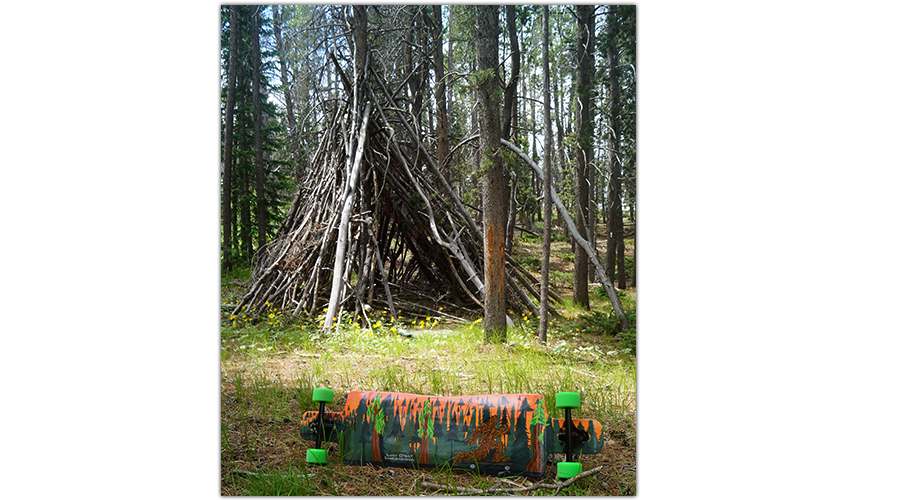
pixel 557 487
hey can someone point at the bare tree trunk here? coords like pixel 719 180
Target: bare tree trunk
pixel 509 96
pixel 245 229
pixel 443 142
pixel 228 159
pixel 508 118
pixel 511 217
pixel 487 31
pixel 615 244
pixel 450 60
pixel 584 151
pixel 288 101
pixel 560 148
pixel 548 179
pixel 257 128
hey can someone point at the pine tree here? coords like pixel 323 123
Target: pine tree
pixel 487 21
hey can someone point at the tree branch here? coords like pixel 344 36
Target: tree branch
pixel 557 487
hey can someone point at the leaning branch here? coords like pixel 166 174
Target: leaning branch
pixel 557 487
pixel 343 229
pixel 607 284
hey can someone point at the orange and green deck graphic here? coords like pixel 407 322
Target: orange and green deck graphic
pixel 505 434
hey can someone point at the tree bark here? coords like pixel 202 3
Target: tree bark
pixel 511 216
pixel 509 96
pixel 228 157
pixel 443 142
pixel 245 230
pixel 288 100
pixel 487 31
pixel 257 128
pixel 508 120
pixel 360 39
pixel 548 179
pixel 584 152
pixel 615 244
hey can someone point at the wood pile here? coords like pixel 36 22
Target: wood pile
pixel 376 225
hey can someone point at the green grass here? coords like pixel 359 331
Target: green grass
pixel 289 482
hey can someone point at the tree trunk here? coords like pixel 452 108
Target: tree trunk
pixel 509 96
pixel 443 142
pixel 245 229
pixel 634 261
pixel 614 234
pixel 560 148
pixel 511 217
pixel 584 152
pixel 361 44
pixel 548 179
pixel 228 157
pixel 449 88
pixel 510 108
pixel 487 30
pixel 288 101
pixel 257 128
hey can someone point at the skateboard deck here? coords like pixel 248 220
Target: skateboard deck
pixel 503 434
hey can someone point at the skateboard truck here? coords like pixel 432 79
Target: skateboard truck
pixel 318 455
pixel 570 437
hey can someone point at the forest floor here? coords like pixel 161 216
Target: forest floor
pixel 268 373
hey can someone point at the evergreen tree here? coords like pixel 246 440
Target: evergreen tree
pixel 257 184
pixel 488 86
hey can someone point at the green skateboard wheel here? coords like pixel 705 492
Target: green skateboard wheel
pixel 568 400
pixel 320 457
pixel 566 470
pixel 322 395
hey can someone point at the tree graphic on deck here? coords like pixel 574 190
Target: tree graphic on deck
pixel 426 431
pixel 538 421
pixel 376 416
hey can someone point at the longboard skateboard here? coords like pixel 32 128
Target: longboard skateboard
pixel 502 434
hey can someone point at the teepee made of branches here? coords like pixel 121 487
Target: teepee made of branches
pixel 376 224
